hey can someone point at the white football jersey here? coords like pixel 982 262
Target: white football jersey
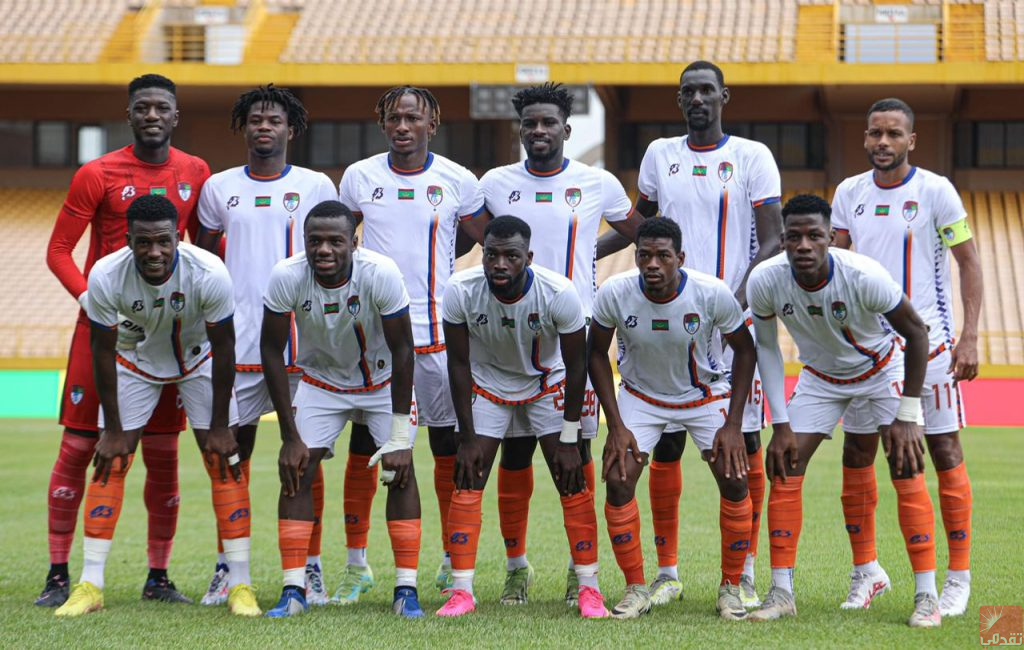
pixel 711 192
pixel 902 226
pixel 262 222
pixel 168 321
pixel 513 347
pixel 666 351
pixel 564 210
pixel 341 341
pixel 412 217
pixel 837 327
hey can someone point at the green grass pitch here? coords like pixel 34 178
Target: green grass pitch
pixel 29 448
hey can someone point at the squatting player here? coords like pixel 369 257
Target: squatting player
pixel 724 192
pixel 411 202
pixel 665 319
pixel 177 298
pixel 831 301
pixel 100 194
pixel 260 208
pixel 351 310
pixel 907 218
pixel 516 348
pixel 563 201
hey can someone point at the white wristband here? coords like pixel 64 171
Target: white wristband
pixel 909 410
pixel 399 431
pixel 569 433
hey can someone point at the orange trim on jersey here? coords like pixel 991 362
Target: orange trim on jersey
pixel 346 391
pixel 934 353
pixel 435 334
pixel 553 172
pixel 256 367
pixel 163 380
pixel 430 349
pixel 871 372
pixel 491 397
pixel 675 405
pixel 748 321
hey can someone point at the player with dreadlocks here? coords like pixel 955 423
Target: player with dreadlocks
pixel 260 208
pixel 412 203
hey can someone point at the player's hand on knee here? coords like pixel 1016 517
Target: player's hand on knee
pixel 291 465
pixel 113 446
pixel 619 446
pixel 567 466
pixel 782 447
pixel 905 446
pixel 222 449
pixel 731 448
pixel 469 465
pixel 396 465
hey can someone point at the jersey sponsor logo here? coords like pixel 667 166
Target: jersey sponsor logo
pixel 700 170
pixel 630 321
pixel 101 512
pixel 659 325
pixel 815 310
pixel 137 306
pixel 378 193
pixel 839 310
pixel 859 211
pixel 787 309
pixel 542 197
pixel 673 169
pixel 291 201
pixel 158 191
pixel 691 323
pixel 263 201
pixel 533 321
pixel 909 210
pixel 481 319
pixel 63 492
pixel 508 322
pixel 241 513
pixel 725 171
pixel 184 190
pixel 331 308
pixel 131 327
pixel 881 211
pixel 158 303
pixel 513 197
pixel 307 305
pixel 353 305
pixel 435 195
pixel 573 196
pixel 232 202
pixel 177 301
pixel 406 194
pixel 127 192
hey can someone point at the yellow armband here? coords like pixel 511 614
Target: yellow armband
pixel 955 233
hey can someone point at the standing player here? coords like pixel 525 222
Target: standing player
pixel 99 196
pixel 177 298
pixel 831 302
pixel 867 211
pixel 658 311
pixel 517 349
pixel 411 202
pixel 352 315
pixel 260 208
pixel 563 201
pixel 724 192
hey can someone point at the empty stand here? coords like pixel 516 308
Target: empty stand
pixel 58 31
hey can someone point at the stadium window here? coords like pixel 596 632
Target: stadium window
pixel 15 143
pixel 92 143
pixel 991 145
pixel 52 144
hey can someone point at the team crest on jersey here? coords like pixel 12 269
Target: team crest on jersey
pixel 435 195
pixel 691 323
pixel 533 321
pixel 291 201
pixel 839 310
pixel 353 305
pixel 909 210
pixel 77 393
pixel 177 301
pixel 725 171
pixel 573 196
pixel 630 322
pixel 673 169
pixel 184 190
pixel 127 192
pixel 232 202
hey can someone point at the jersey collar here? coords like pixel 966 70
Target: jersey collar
pixel 906 179
pixel 526 289
pixel 679 289
pixel 823 283
pixel 267 179
pixel 707 147
pixel 553 172
pixel 412 172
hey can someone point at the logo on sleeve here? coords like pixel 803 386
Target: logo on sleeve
pixel 573 196
pixel 353 305
pixel 909 210
pixel 725 171
pixel 839 310
pixel 127 192
pixel 184 190
pixel 77 393
pixel 691 323
pixel 533 321
pixel 435 195
pixel 177 301
pixel 291 201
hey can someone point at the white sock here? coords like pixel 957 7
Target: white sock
pixel 962 576
pixel 748 566
pixel 314 560
pixel 446 560
pixel 357 556
pixel 871 567
pixel 463 579
pixel 925 583
pixel 236 553
pixel 405 578
pixel 669 571
pixel 221 559
pixel 783 579
pixel 517 562
pixel 586 574
pixel 572 565
pixel 295 578
pixel 96 552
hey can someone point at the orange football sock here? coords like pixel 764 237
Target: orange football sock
pixel 103 502
pixel 360 487
pixel 785 518
pixel 624 532
pixel 755 486
pixel 318 512
pixel 734 521
pixel 917 521
pixel 590 476
pixel 245 466
pixel 860 499
pixel 293 540
pixel 581 527
pixel 230 503
pixel 444 485
pixel 515 487
pixel 955 501
pixel 405 542
pixel 464 528
pixel 666 487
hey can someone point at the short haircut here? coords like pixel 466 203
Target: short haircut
pixel 332 210
pixel 298 117
pixel 892 104
pixel 389 100
pixel 152 208
pixel 807 204
pixel 507 226
pixel 705 65
pixel 659 227
pixel 151 81
pixel 549 93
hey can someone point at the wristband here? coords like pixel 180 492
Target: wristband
pixel 569 433
pixel 909 410
pixel 399 431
